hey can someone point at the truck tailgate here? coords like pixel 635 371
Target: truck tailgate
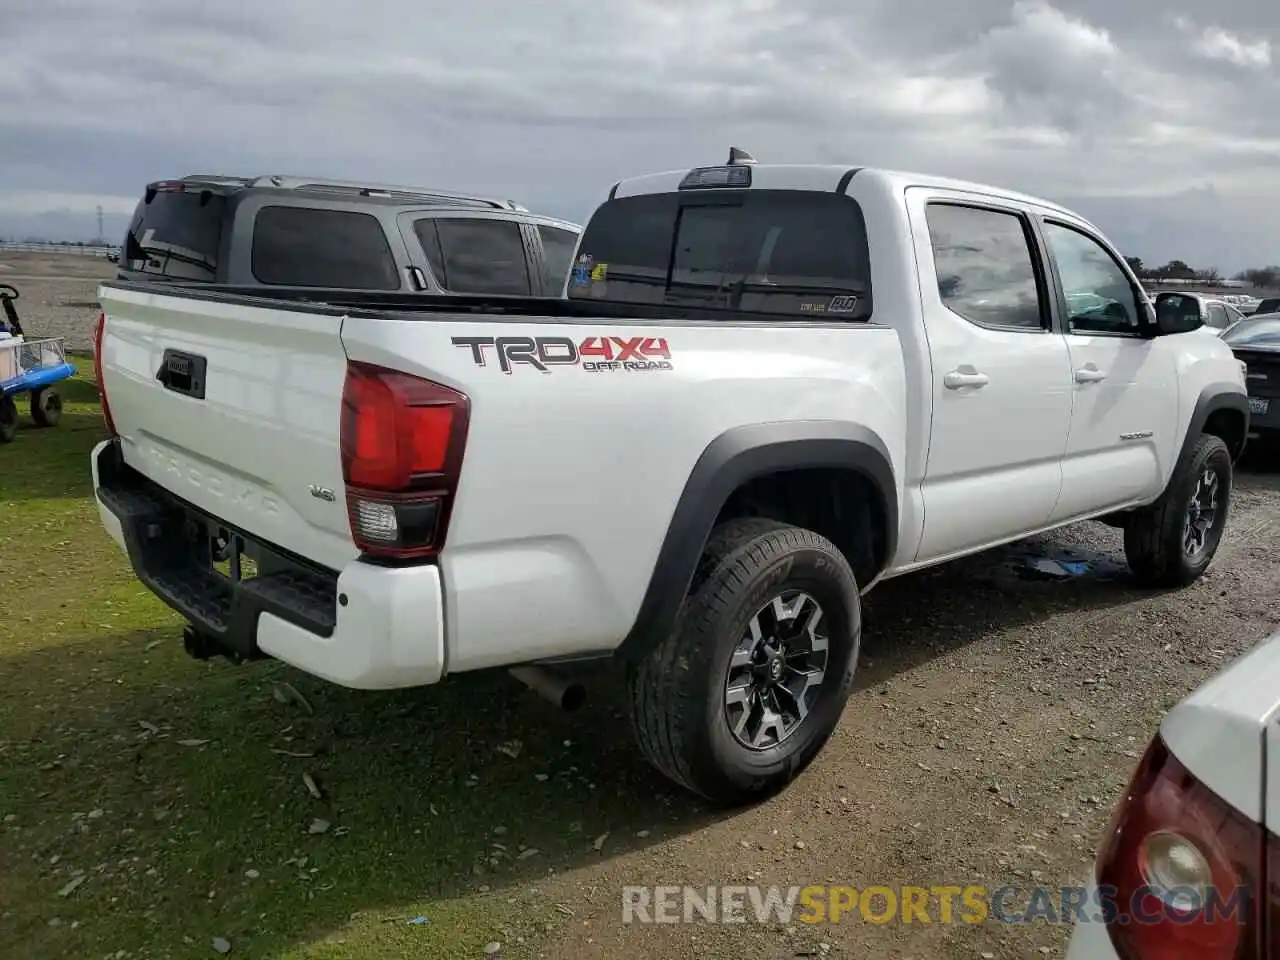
pixel 235 409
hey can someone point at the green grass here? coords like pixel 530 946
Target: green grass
pixel 97 699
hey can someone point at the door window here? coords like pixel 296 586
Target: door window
pixel 1100 298
pixel 985 267
pixel 475 256
pixel 1218 316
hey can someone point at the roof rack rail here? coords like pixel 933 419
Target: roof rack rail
pixel 390 191
pixel 219 178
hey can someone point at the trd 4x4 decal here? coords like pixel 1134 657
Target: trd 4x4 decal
pixel 594 354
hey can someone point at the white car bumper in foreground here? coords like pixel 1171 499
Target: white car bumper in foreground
pixel 1090 940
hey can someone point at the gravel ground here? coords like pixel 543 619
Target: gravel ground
pixel 997 721
pixel 58 293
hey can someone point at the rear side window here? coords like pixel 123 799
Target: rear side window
pixel 984 266
pixel 475 256
pixel 176 235
pixel 307 247
pixel 557 250
pixel 797 254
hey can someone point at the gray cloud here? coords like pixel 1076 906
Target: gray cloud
pixel 1155 119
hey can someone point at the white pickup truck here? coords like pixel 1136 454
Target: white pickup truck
pixel 767 388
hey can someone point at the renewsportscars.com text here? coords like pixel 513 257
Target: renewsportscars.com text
pixel 942 904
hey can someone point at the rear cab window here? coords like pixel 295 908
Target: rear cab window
pixel 176 232
pixel 787 254
pixel 310 247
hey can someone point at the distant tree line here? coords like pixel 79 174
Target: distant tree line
pixel 1211 276
pixel 1260 276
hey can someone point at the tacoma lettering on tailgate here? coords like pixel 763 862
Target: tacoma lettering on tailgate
pixel 182 473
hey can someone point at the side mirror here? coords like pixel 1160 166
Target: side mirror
pixel 1177 313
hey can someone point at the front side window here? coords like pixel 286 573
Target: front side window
pixel 984 265
pixel 797 254
pixel 1100 298
pixel 1217 316
pixel 310 247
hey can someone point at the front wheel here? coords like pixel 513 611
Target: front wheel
pixel 8 419
pixel 46 407
pixel 754 676
pixel 1172 542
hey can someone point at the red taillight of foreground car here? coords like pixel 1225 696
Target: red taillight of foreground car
pixel 1181 868
pixel 99 332
pixel 402 443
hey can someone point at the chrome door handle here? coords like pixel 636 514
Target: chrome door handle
pixel 964 377
pixel 1089 374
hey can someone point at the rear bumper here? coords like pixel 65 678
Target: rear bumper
pixel 364 626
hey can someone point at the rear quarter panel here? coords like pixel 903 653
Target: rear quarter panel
pixel 570 477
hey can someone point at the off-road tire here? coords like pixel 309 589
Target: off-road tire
pixel 1153 537
pixel 46 407
pixel 678 710
pixel 8 419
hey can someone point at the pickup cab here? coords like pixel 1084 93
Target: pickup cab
pixel 766 389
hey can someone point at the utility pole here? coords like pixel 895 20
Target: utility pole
pixel 102 240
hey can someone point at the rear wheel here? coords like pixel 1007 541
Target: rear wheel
pixel 1172 542
pixel 754 676
pixel 8 419
pixel 46 406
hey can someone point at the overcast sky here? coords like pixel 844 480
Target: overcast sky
pixel 1155 118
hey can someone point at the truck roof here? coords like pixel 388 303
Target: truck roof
pixel 831 177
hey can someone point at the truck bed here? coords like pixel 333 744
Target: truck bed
pixel 404 306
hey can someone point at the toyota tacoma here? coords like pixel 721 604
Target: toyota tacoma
pixel 765 389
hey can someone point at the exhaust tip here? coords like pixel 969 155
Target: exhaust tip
pixel 575 696
pixel 552 686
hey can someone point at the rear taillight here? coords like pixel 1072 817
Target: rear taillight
pixel 402 443
pixel 1180 869
pixel 99 331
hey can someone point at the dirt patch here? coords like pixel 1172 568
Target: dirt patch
pixel 55 265
pixel 57 293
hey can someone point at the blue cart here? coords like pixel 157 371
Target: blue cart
pixel 31 367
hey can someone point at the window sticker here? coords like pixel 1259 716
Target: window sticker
pixel 581 274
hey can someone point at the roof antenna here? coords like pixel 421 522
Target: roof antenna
pixel 737 155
